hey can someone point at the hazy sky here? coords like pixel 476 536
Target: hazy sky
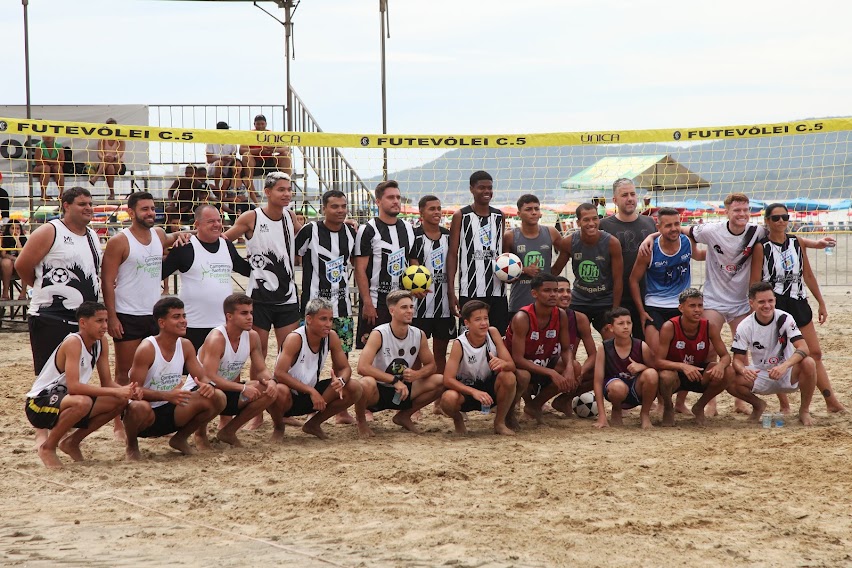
pixel 454 66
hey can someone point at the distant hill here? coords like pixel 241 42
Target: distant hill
pixel 817 166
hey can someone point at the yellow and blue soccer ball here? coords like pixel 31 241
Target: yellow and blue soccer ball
pixel 416 278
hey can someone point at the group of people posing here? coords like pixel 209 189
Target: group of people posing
pixel 178 360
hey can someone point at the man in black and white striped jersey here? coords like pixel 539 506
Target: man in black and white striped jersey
pixel 476 239
pixel 433 314
pixel 382 249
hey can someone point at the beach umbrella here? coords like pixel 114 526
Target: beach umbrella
pixel 509 210
pixel 842 204
pixel 802 204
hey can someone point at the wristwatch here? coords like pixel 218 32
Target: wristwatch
pixel 396 379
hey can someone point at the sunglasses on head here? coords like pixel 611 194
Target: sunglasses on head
pixel 776 218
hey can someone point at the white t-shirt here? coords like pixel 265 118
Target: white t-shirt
pixel 728 262
pixel 770 344
pixel 219 150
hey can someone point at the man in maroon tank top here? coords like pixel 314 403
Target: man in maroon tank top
pixel 683 358
pixel 623 372
pixel 540 345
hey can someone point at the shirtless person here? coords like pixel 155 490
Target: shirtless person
pixel 61 398
pixel 299 368
pixel 621 374
pixel 480 372
pixel 386 368
pixel 158 370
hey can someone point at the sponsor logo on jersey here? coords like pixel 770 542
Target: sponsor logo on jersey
pixel 588 271
pixel 334 270
pixel 550 333
pixel 700 345
pixel 534 336
pixel 396 262
pixel 680 345
pixel 485 236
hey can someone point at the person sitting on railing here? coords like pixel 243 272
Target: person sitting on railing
pixel 181 195
pixel 222 160
pixel 260 160
pixel 110 162
pixel 49 158
pixel 14 239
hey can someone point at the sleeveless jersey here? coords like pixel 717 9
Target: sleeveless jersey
pixel 473 366
pixel 783 266
pixel 68 275
pixel 592 267
pixel 308 364
pixel 541 345
pixel 397 354
pixel 668 275
pixel 139 282
pixel 271 251
pixel 232 362
pixel 50 375
pixel 388 248
pixel 573 332
pixel 614 366
pixel 532 252
pixel 433 255
pixel 204 287
pixel 480 242
pixel 690 350
pixel 164 375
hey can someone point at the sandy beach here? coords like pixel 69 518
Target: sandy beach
pixel 555 495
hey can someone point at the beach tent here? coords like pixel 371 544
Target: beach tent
pixel 658 172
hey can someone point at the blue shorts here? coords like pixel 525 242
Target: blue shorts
pixel 633 399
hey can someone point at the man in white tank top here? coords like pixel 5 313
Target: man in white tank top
pixel 386 368
pixel 61 398
pixel 131 282
pixel 223 356
pixel 158 371
pixel 479 372
pixel 299 371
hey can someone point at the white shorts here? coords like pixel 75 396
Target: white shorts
pixel 728 311
pixel 764 385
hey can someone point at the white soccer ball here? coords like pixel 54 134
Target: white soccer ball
pixel 585 405
pixel 508 267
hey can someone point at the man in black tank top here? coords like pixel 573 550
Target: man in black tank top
pixel 623 374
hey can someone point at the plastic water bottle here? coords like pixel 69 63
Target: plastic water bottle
pixel 778 420
pixel 397 398
pixel 829 251
pixel 766 420
pixel 486 408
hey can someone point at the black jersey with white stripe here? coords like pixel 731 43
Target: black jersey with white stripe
pixel 480 243
pixel 783 267
pixel 432 254
pixel 388 248
pixel 325 260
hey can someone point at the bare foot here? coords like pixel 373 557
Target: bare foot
pixel 646 422
pixel 405 421
pixel 369 416
pixel 757 411
pixel 458 422
pixel 785 410
pixel 291 421
pixel 512 422
pixel 711 409
pixel 314 430
pixel 364 431
pixel 256 422
pixel 503 430
pixel 741 407
pixel 5 296
pixel 223 421
pixel 698 412
pixel 228 438
pixel 68 446
pixel 681 408
pixel 805 419
pixel 202 443
pixel 343 417
pixel 118 433
pixel 181 445
pixel 49 458
pixel 436 410
pixel 534 413
pixel 277 435
pixel 834 405
pixel 133 454
pixel 668 417
pixel 416 416
pixel 616 418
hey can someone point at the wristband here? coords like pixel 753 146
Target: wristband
pixel 396 379
pixel 244 389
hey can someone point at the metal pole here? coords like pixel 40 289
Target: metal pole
pixel 29 109
pixel 288 31
pixel 382 12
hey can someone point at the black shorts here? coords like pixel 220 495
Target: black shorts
pixel 594 313
pixel 692 386
pixel 43 410
pixel 268 316
pixel 232 407
pixel 633 398
pixel 386 394
pixel 439 328
pixel 264 164
pixel 164 422
pixel 539 382
pixel 364 328
pixel 660 315
pixel 799 309
pixel 136 327
pixel 302 403
pixel 197 335
pixel 498 312
pixel 488 385
pixel 46 334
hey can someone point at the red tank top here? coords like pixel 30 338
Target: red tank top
pixel 540 345
pixel 689 350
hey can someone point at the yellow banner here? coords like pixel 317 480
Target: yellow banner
pixel 61 129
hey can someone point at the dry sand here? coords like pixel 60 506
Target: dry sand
pixel 556 495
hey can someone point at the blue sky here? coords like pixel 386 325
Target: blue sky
pixel 454 66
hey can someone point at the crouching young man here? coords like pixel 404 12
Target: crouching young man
pixel 158 370
pixel 779 354
pixel 61 398
pixel 298 370
pixel 386 363
pixel 480 372
pixel 622 375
